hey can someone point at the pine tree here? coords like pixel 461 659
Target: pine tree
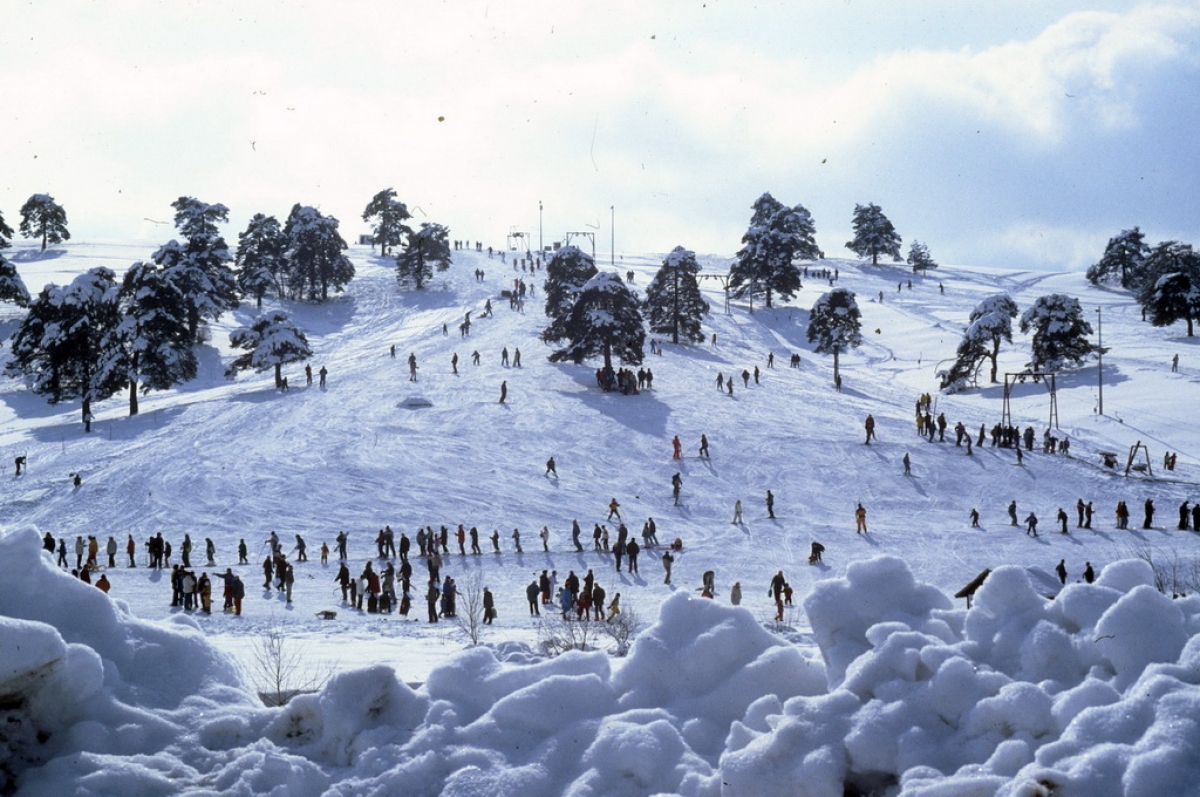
pixel 389 214
pixel 1175 297
pixel 874 235
pixel 606 320
pixel 990 323
pixel 6 233
pixel 59 345
pixel 1123 260
pixel 42 217
pixel 673 301
pixel 314 255
pixel 919 258
pixel 12 288
pixel 1168 257
pixel 567 271
pixel 426 249
pixel 1059 332
pixel 199 267
pixel 835 324
pixel 272 341
pixel 150 348
pixel 777 236
pixel 260 258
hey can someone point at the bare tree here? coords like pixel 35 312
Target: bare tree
pixel 468 607
pixel 557 634
pixel 622 628
pixel 279 668
pixel 1173 574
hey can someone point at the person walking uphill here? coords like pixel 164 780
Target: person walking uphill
pixel 869 424
pixel 860 519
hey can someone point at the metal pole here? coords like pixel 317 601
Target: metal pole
pixel 612 228
pixel 1100 357
pixel 541 247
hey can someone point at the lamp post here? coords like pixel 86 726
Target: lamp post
pixel 541 248
pixel 1100 356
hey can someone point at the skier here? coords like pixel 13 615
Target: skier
pixel 1031 525
pixel 1062 520
pixel 667 561
pixel 1061 569
pixel 545 535
pixel 974 518
pixel 737 512
pixel 870 427
pixel 550 468
pixel 676 486
pixel 412 367
pixel 1089 575
pixel 516 536
pixel 1012 510
pixel 907 464
pixel 703 446
pixel 860 519
pixel 503 391
pixel 324 373
pixel 814 557
pixel 575 531
pixel 614 509
pixel 677 448
pixel 1149 513
pixel 770 505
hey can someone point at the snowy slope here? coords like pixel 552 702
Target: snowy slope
pixel 237 459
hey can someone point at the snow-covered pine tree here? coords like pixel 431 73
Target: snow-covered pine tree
pixel 1168 257
pixel 1059 332
pixel 272 341
pixel 199 267
pixel 315 259
pixel 425 250
pixel 777 236
pixel 260 258
pixel 12 288
pixel 389 214
pixel 673 301
pixel 42 217
pixel 835 324
pixel 874 235
pixel 919 258
pixel 1123 260
pixel 989 324
pixel 6 233
pixel 567 271
pixel 606 320
pixel 58 347
pixel 150 348
pixel 1174 298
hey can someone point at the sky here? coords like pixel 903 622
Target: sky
pixel 1013 134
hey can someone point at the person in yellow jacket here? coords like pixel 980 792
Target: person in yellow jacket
pixel 860 518
pixel 614 608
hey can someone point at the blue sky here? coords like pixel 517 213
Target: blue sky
pixel 1009 134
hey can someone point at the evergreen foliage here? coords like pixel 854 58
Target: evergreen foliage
pixel 919 257
pixel 1175 297
pixel 990 324
pixel 272 341
pixel 389 214
pixel 150 348
pixel 777 236
pixel 874 235
pixel 199 267
pixel 567 271
pixel 426 249
pixel 58 347
pixel 260 258
pixel 1123 260
pixel 835 324
pixel 12 287
pixel 315 259
pixel 1059 332
pixel 673 301
pixel 1168 257
pixel 6 233
pixel 606 320
pixel 42 217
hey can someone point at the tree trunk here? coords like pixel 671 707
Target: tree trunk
pixel 835 366
pixel 995 354
pixel 675 314
pixel 278 375
pixel 133 400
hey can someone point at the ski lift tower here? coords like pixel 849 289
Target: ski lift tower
pixel 1048 377
pixel 724 280
pixel 591 236
pixel 516 237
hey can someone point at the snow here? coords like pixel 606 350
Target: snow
pixel 875 680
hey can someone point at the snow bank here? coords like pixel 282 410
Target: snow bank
pixel 1096 692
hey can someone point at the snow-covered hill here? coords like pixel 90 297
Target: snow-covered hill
pixel 237 459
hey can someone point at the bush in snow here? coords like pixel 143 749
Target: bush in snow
pixel 42 217
pixel 874 234
pixel 673 301
pixel 777 236
pixel 1059 332
pixel 834 324
pixel 270 342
